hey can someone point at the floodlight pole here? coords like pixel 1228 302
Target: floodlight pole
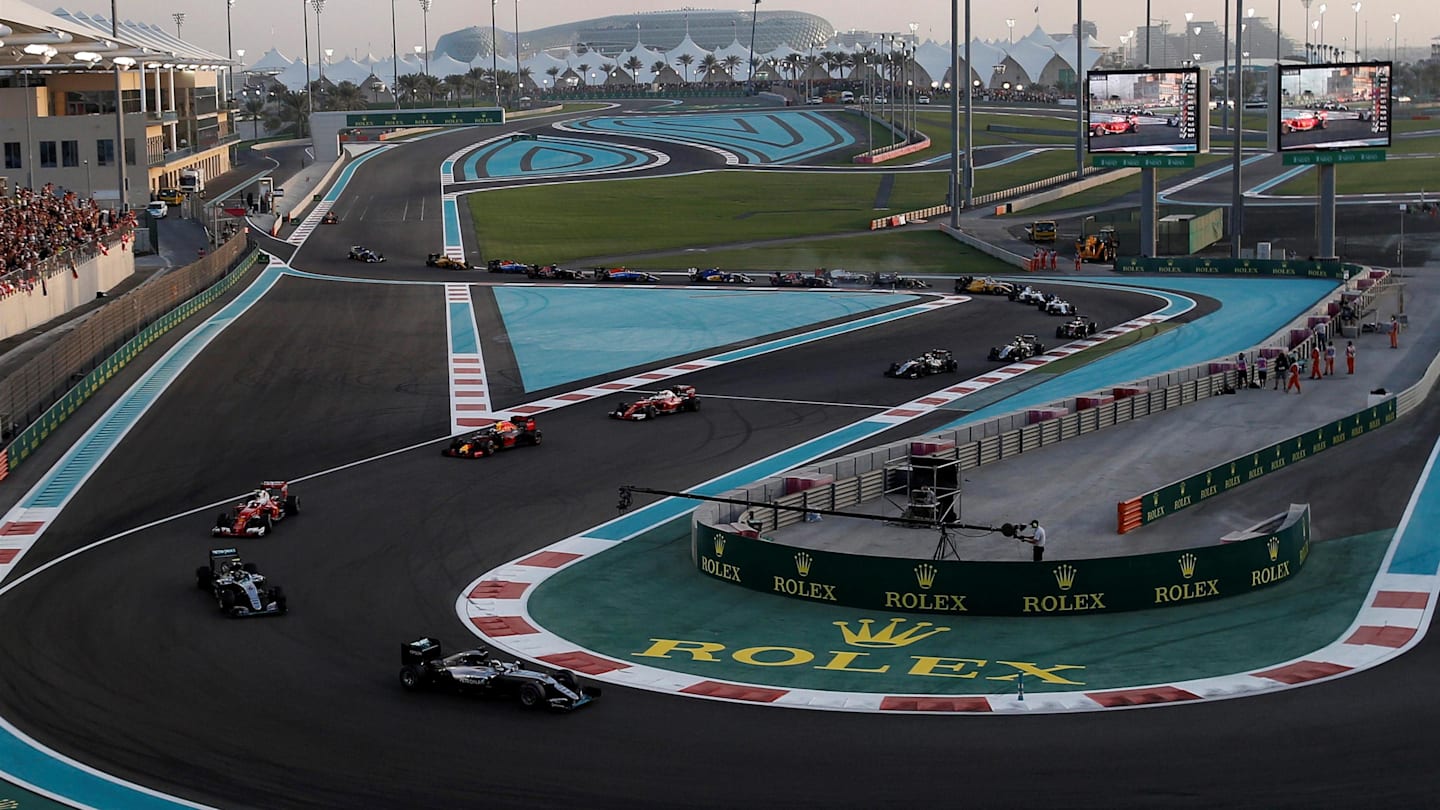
pixel 1079 76
pixel 953 195
pixel 123 201
pixel 969 118
pixel 1237 198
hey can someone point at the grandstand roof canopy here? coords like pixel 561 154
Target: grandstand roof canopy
pixel 34 38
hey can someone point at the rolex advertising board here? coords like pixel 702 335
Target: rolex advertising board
pixel 1062 588
pixel 1283 268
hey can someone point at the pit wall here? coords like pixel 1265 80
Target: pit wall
pixel 1105 585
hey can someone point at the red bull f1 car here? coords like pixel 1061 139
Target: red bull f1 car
pixel 239 589
pixel 424 665
pixel 492 438
pixel 258 513
pixel 671 400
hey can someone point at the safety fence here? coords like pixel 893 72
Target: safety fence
pixel 859 477
pixel 1271 553
pixel 43 393
pixel 896 220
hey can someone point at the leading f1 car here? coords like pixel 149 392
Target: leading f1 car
pixel 424 665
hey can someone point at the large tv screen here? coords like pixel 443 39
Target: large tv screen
pixel 1161 110
pixel 1334 106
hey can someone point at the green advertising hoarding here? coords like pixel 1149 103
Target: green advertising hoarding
pixel 1332 157
pixel 1066 587
pixel 1149 160
pixel 1285 268
pixel 426 118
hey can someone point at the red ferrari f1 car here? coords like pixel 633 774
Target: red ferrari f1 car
pixel 259 512
pixel 494 437
pixel 671 400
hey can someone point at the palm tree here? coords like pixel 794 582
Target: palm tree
pixel 731 62
pixel 428 85
pixel 346 96
pixel 455 86
pixel 709 63
pixel 685 60
pixel 833 61
pixel 633 65
pixel 476 78
pixel 524 77
pixel 291 108
pixel 791 64
pixel 657 67
pixel 583 68
pixel 554 73
pixel 253 108
pixel 409 86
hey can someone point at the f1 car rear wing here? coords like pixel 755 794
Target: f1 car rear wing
pixel 223 552
pixel 420 650
pixel 273 484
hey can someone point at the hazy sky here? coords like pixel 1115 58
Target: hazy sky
pixel 350 25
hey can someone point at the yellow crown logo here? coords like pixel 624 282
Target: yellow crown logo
pixel 925 575
pixel 719 545
pixel 802 563
pixel 1065 576
pixel 1187 565
pixel 887 637
pixel 1273 546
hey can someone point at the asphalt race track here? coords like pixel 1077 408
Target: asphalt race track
pixel 114 658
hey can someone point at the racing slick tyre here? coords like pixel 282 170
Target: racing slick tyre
pixel 227 601
pixel 994 354
pixel 1059 331
pixel 221 521
pixel 650 412
pixel 410 678
pixel 203 578
pixel 278 594
pixel 1039 348
pixel 292 505
pixel 566 678
pixel 535 438
pixel 262 527
pixel 531 696
pixel 692 405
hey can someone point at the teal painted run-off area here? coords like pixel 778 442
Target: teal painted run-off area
pixel 549 155
pixel 773 136
pixel 560 334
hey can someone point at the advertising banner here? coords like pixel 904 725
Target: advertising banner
pixel 1065 587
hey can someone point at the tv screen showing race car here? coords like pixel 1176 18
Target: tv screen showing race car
pixel 1334 106
pixel 1161 110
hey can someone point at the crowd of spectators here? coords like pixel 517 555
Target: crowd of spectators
pixel 36 225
